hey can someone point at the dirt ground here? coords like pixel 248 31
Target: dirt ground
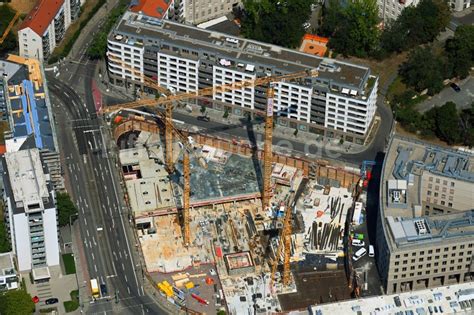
pixel 23 6
pixel 316 288
pixel 384 69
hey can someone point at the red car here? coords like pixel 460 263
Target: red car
pixel 35 299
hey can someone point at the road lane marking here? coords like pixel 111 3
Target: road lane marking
pixel 95 268
pixel 128 288
pixel 93 258
pixel 123 267
pixel 87 231
pixel 126 280
pixel 85 220
pixel 93 239
pixel 120 254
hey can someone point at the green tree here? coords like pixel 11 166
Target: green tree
pixel 446 122
pixel 16 302
pixel 467 125
pixel 10 42
pixel 353 29
pixel 226 114
pixel 275 21
pixel 4 243
pixel 65 208
pixel 423 70
pixel 415 26
pixel 203 109
pixel 460 51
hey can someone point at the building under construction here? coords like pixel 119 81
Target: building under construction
pixel 236 257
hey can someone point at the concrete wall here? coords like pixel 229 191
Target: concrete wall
pixel 30 44
pixel 51 237
pixel 22 241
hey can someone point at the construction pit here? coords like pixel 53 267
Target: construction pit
pixel 233 241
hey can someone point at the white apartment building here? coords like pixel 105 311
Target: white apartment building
pixel 339 102
pixel 44 27
pixel 389 10
pixel 199 11
pixel 30 212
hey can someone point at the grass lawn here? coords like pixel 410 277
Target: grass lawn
pixel 69 265
pixel 72 305
pixel 6 15
pixel 397 87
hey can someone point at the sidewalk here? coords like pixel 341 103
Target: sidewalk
pixel 82 276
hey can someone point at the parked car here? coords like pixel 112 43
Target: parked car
pixel 359 254
pixel 455 87
pixel 103 289
pixel 212 272
pixel 51 301
pixel 371 251
pixel 358 243
pixel 203 118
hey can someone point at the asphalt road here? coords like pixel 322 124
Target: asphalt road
pixel 298 148
pixel 463 98
pixel 92 177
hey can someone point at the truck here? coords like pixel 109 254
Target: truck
pixel 95 288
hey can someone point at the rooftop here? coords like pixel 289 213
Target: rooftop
pixel 407 231
pixel 405 164
pixel 7 266
pixel 448 300
pixel 26 181
pixel 41 16
pixel 152 8
pixel 29 113
pixel 237 50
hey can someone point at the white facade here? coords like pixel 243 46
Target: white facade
pixel 129 64
pixel 38 41
pixel 293 100
pixel 30 44
pixel 242 97
pixel 346 114
pixel 178 74
pixel 31 210
pixel 184 58
pixel 389 10
pixel 199 11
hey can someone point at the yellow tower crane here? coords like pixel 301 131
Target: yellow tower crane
pixel 268 157
pixel 168 107
pixel 284 244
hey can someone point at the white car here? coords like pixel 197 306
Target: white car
pixel 359 254
pixel 212 272
pixel 358 243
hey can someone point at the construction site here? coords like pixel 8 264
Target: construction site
pixel 227 226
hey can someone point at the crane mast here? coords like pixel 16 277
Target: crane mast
pixel 267 150
pixel 186 196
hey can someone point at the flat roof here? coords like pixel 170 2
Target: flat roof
pixel 405 163
pixel 26 181
pixel 6 263
pixel 408 231
pixel 28 109
pixel 450 298
pixel 238 49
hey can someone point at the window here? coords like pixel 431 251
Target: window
pixel 445 182
pixel 428 192
pixel 430 179
pixel 437 180
pixel 442 202
pixel 452 184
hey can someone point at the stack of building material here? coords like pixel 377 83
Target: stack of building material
pixel 324 237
